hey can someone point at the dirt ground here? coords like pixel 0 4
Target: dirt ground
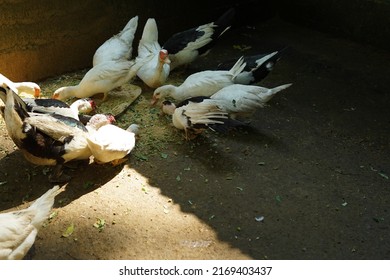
pixel 310 180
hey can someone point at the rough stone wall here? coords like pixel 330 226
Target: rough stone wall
pixel 49 37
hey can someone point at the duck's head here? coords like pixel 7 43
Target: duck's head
pixel 85 105
pixel 37 91
pixel 162 92
pixel 99 120
pixel 62 93
pixel 133 128
pixel 163 56
pixel 168 107
pixel 110 118
pixel 29 88
pixel 90 104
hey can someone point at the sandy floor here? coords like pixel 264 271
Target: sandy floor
pixel 315 166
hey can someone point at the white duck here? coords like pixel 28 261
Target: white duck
pixel 102 78
pixel 204 83
pixel 23 89
pixel 194 117
pixel 18 229
pixel 44 139
pixel 119 46
pixel 243 100
pixel 155 70
pixel 186 46
pixel 108 142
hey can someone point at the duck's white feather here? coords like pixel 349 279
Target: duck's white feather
pixel 100 79
pixel 155 69
pixel 118 47
pixel 110 143
pixel 18 229
pixel 204 83
pixel 244 99
pixel 197 113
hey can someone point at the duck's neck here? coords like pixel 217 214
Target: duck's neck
pixel 70 91
pixel 170 91
pixel 160 63
pixel 176 93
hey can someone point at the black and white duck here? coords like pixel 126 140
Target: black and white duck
pixel 257 67
pixel 186 46
pixel 44 139
pixel 194 116
pixel 211 114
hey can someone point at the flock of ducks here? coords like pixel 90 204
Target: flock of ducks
pixel 51 132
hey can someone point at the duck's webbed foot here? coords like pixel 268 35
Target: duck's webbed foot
pixel 117 162
pixel 57 175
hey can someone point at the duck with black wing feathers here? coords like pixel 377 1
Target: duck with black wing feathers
pixel 44 139
pixel 186 46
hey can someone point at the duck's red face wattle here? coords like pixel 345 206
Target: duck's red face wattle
pixel 163 54
pixel 111 118
pixel 93 104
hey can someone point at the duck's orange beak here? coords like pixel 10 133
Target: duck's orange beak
pixel 37 92
pixel 154 101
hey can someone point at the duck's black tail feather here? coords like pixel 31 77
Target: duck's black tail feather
pixel 222 24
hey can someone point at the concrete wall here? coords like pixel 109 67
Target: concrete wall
pixel 49 37
pixel 366 21
pixel 46 39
